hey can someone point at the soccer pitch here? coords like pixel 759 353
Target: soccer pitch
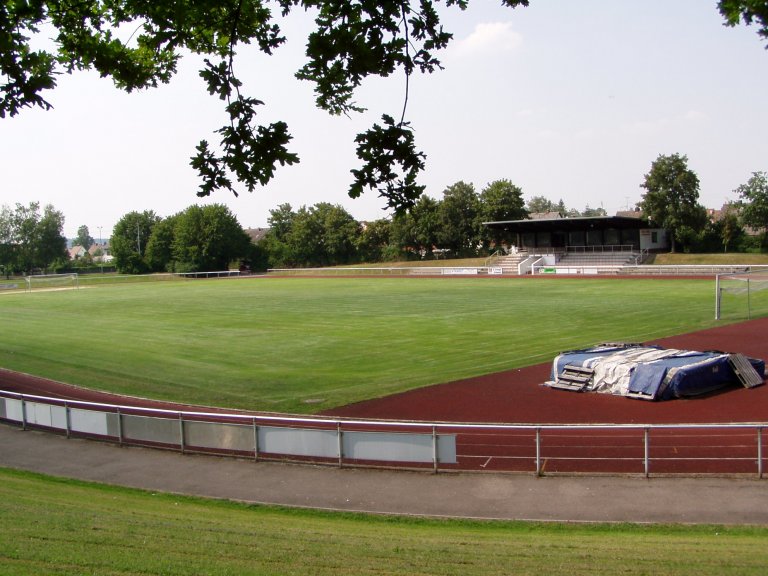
pixel 302 345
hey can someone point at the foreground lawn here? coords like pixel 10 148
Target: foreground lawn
pixel 302 345
pixel 55 526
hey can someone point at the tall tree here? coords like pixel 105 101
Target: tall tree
pixel 374 240
pixel 49 237
pixel 754 203
pixel 459 211
pixel 593 212
pixel 7 241
pixel 159 252
pixel 84 238
pixel 426 224
pixel 339 233
pixel 730 229
pixel 280 220
pixel 29 240
pixel 130 237
pixel 303 241
pixel 25 219
pixel 499 201
pixel 321 235
pixel 540 205
pixel 207 238
pixel 754 200
pixel 671 198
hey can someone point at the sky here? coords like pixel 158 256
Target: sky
pixel 567 99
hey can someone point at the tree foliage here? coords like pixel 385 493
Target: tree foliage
pixel 207 238
pixel 130 238
pixel 322 235
pixel 459 219
pixel 748 11
pixel 754 200
pixel 30 240
pixel 84 238
pixel 139 44
pixel 671 200
pixel 351 41
pixel 499 201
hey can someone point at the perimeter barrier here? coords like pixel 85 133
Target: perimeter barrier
pixel 634 449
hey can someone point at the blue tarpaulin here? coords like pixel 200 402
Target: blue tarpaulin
pixel 649 372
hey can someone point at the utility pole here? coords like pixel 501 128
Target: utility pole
pixel 101 247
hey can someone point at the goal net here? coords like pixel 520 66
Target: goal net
pixel 741 295
pixel 52 282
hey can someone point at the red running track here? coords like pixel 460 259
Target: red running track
pixel 517 397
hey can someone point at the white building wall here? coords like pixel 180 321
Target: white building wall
pixel 653 239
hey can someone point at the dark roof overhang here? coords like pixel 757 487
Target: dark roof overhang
pixel 568 224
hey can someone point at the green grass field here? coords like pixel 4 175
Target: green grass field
pixel 53 526
pixel 302 345
pixel 299 345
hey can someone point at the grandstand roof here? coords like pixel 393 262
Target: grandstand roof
pixel 565 224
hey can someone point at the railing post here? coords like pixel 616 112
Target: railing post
pixel 647 451
pixel 119 427
pixel 23 413
pixel 538 451
pixel 340 438
pixel 68 418
pixel 759 452
pixel 255 440
pixel 181 432
pixel 434 449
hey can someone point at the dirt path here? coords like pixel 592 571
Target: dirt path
pixel 487 496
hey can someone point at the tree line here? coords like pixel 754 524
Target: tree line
pixel 200 238
pixel 210 238
pixel 671 201
pixel 327 235
pixel 31 240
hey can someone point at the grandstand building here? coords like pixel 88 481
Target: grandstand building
pixel 593 233
pixel 548 243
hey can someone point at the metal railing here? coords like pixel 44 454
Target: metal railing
pixel 600 249
pixel 636 449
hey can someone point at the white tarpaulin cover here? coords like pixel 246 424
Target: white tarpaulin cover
pixel 648 372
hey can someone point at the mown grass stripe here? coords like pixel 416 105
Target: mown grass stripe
pixel 273 344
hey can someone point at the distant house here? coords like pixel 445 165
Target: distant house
pixel 256 234
pixel 77 252
pixel 544 215
pixel 100 253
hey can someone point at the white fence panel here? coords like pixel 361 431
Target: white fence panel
pixel 46 415
pixel 88 422
pixel 394 447
pixel 151 429
pixel 299 442
pixel 219 435
pixel 13 410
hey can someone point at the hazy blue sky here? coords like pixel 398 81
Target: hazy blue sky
pixel 568 99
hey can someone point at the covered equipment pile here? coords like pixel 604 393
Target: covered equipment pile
pixel 652 372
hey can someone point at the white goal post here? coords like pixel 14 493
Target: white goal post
pixel 52 282
pixel 741 287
